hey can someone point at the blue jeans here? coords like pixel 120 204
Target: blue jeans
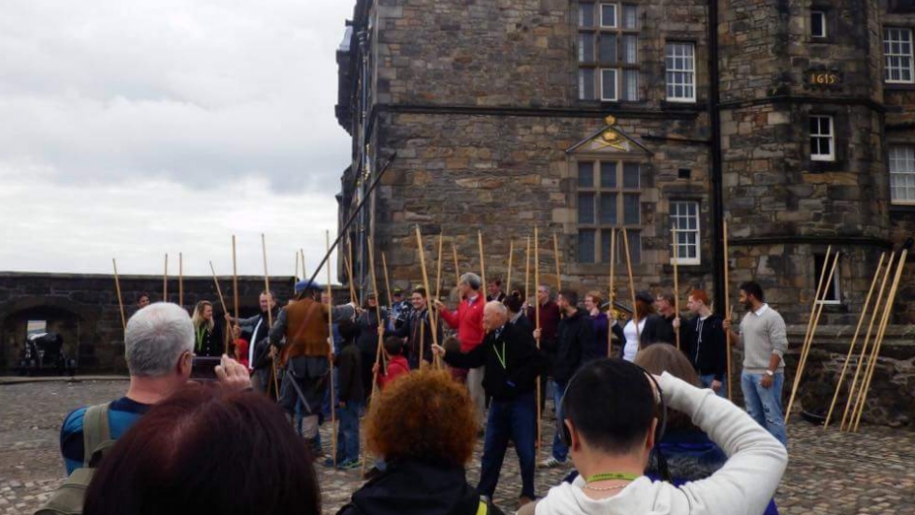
pixel 348 432
pixel 706 381
pixel 560 451
pixel 515 420
pixel 765 404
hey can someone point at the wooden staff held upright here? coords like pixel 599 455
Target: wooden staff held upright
pixel 275 369
pixel 117 286
pixel 422 260
pixel 729 315
pixel 330 353
pixel 676 260
pixel 635 310
pixel 612 296
pixel 537 321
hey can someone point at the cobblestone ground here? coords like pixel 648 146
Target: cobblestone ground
pixel 829 473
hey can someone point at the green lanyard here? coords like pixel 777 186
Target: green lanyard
pixel 610 475
pixel 201 331
pixel 501 357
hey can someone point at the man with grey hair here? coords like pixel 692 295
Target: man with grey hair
pixel 512 363
pixel 468 320
pixel 159 349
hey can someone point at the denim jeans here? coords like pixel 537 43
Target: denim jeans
pixel 765 404
pixel 560 451
pixel 348 432
pixel 514 420
pixel 706 381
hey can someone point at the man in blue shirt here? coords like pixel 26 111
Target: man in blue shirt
pixel 158 346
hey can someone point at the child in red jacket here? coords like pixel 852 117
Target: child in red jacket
pixel 397 363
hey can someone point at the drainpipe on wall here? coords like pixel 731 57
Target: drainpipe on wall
pixel 718 256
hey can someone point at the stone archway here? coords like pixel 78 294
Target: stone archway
pixel 76 322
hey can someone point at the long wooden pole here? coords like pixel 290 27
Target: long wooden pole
pixel 165 281
pixel 537 323
pixel 235 282
pixel 729 314
pixel 676 260
pixel 295 275
pixel 527 271
pixel 377 316
pixel 813 312
pixel 558 264
pixel 805 350
pixel 872 364
pixel 612 294
pixel 482 262
pixel 457 269
pixel 275 369
pixel 330 353
pixel 181 280
pixel 349 272
pixel 438 273
pixel 117 287
pixel 511 255
pixel 304 270
pixel 387 281
pixel 225 308
pixel 852 391
pixel 854 340
pixel 422 261
pixel 635 310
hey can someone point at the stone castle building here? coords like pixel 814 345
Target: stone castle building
pixel 793 121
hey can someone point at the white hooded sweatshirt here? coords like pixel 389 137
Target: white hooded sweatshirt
pixel 743 486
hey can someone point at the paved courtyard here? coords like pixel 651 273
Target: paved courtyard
pixel 829 473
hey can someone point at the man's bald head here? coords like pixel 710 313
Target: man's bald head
pixel 495 315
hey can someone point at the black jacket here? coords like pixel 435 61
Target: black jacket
pixel 367 341
pixel 647 335
pixel 523 362
pixel 414 488
pixel 209 342
pixel 705 345
pixel 417 328
pixel 664 331
pixel 573 336
pixel 349 374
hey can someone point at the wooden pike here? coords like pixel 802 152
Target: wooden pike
pixel 854 341
pixel 729 314
pixel 330 353
pixel 181 280
pixel 235 280
pixel 117 286
pixel 852 391
pixel 527 270
pixel 612 296
pixel 457 269
pixel 676 261
pixel 635 311
pixel 511 255
pixel 377 315
pixel 274 370
pixel 805 349
pixel 438 273
pixel 813 312
pixel 422 260
pixel 537 323
pixel 558 265
pixel 482 262
pixel 224 308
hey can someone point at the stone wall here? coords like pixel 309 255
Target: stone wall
pixel 84 309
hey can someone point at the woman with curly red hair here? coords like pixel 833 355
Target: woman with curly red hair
pixel 424 425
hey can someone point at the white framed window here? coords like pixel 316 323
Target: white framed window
pixel 684 221
pixel 608 16
pixel 833 294
pixel 680 61
pixel 818 24
pixel 902 174
pixel 609 84
pixel 897 53
pixel 630 17
pixel 630 87
pixel 822 138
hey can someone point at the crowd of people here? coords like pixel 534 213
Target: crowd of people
pixel 640 405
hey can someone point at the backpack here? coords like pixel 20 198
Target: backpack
pixel 68 498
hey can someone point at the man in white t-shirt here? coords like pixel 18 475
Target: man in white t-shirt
pixel 609 417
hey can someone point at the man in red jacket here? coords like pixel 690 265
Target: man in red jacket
pixel 468 320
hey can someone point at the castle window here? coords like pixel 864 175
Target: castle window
pixel 608 197
pixel 684 221
pixel 822 138
pixel 902 174
pixel 681 72
pixel 897 51
pixel 832 291
pixel 818 24
pixel 608 66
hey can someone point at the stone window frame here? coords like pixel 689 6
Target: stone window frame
pixel 823 14
pixel 831 157
pixel 694 71
pixel 626 64
pixel 686 261
pixel 600 229
pixel 888 56
pixel 908 174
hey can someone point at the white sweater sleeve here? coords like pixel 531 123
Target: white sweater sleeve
pixel 756 460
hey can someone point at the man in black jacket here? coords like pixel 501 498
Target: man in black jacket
pixel 704 342
pixel 512 364
pixel 573 335
pixel 259 358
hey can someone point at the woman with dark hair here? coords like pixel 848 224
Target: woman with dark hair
pixel 208 337
pixel 367 341
pixel 205 450
pixel 689 453
pixel 424 425
pixel 634 340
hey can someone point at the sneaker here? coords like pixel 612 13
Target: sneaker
pixel 349 465
pixel 550 463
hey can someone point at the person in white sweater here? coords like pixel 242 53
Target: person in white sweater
pixel 610 413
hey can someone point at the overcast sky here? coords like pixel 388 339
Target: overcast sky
pixel 134 128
